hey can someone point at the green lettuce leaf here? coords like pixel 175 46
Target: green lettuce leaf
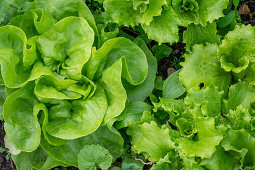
pixel 21 125
pixel 171 161
pixel 68 153
pixel 220 160
pixel 241 93
pixel 131 163
pixel 199 12
pixel 172 88
pixel 133 113
pixel 2 100
pixel 93 157
pixel 240 118
pixel 63 46
pixel 142 91
pixel 198 34
pixel 60 9
pixel 238 141
pixel 208 98
pixel 148 138
pixel 206 69
pixel 164 28
pixel 133 12
pixel 38 159
pixel 204 143
pixel 15 54
pixel 237 50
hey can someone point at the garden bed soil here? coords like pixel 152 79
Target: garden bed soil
pixel 246 10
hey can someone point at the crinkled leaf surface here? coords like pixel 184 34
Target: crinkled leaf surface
pixel 149 138
pixel 240 94
pixel 208 98
pixel 204 144
pixel 198 34
pixel 220 160
pixel 164 28
pixel 237 50
pixel 237 140
pixel 202 66
pixel 199 12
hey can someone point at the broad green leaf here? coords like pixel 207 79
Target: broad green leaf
pixel 226 20
pixel 238 140
pixel 204 144
pixel 11 8
pixel 142 91
pixel 171 161
pixel 206 69
pixel 93 157
pixel 68 153
pixel 237 50
pixel 67 45
pixel 148 138
pixel 240 94
pixel 208 98
pixel 133 113
pixel 123 13
pixel 2 100
pixel 164 28
pixel 131 164
pixel 49 163
pixel 18 63
pixel 59 9
pixel 133 12
pixel 161 51
pixel 154 9
pixel 11 148
pixel 21 125
pixel 172 88
pixel 135 66
pixel 220 160
pixel 239 118
pixel 26 160
pixel 38 159
pixel 115 92
pixel 198 34
pixel 199 12
pixel 250 73
pixel 81 119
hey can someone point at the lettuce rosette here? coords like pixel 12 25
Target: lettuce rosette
pixel 61 88
pixel 204 118
pixel 161 18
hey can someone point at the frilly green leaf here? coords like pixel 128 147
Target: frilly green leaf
pixel 148 138
pixel 202 67
pixel 203 145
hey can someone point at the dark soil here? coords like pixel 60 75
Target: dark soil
pixel 167 65
pixel 246 10
pixel 4 164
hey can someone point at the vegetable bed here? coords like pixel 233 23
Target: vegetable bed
pixel 127 84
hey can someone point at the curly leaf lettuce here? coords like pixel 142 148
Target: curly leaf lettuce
pixel 237 52
pixel 202 145
pixel 160 19
pixel 199 11
pixel 202 67
pixel 151 140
